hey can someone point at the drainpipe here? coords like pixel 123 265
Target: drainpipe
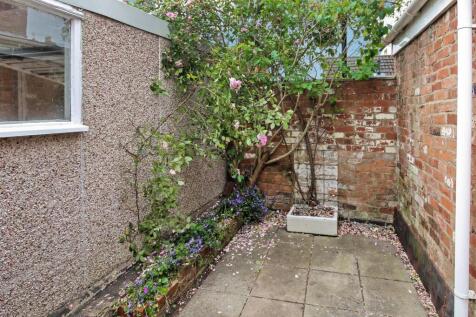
pixel 463 158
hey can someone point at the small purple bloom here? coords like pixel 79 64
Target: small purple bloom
pixel 146 290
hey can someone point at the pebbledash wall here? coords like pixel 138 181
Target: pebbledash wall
pixel 356 159
pixel 427 77
pixel 63 198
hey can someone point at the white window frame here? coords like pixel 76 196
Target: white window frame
pixel 75 124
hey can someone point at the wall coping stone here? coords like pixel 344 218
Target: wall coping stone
pixel 124 13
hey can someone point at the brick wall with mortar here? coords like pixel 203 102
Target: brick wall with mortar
pixel 427 75
pixel 356 158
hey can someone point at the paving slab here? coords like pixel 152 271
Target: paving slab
pixel 304 240
pixel 334 260
pixel 234 275
pixel 375 263
pixel 334 290
pixel 319 311
pixel 276 282
pixel 391 298
pixel 259 307
pixel 209 303
pixel 334 243
pixel 289 255
pixel 308 276
pixel 364 244
pixel 232 284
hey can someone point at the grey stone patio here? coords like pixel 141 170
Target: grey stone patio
pixel 310 276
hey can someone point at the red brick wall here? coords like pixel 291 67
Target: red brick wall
pixel 362 146
pixel 426 131
pixel 366 137
pixel 427 74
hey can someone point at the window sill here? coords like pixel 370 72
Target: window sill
pixel 40 128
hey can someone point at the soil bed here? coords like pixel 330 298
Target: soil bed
pixel 317 211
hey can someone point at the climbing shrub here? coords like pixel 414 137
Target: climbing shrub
pixel 243 66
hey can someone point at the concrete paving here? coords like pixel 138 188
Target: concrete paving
pixel 309 276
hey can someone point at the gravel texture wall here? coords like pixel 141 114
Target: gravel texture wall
pixel 64 198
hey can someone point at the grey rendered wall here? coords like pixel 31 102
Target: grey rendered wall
pixel 63 198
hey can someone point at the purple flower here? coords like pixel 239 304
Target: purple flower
pixel 194 245
pixel 146 290
pixel 235 84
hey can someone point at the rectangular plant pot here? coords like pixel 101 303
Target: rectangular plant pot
pixel 316 225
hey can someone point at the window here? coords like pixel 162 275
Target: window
pixel 40 68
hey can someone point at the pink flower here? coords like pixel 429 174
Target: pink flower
pixel 179 63
pixel 171 15
pixel 189 2
pixel 244 30
pixel 235 84
pixel 263 140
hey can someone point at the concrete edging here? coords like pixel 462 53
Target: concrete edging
pixel 124 13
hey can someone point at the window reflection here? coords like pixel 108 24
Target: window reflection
pixel 34 62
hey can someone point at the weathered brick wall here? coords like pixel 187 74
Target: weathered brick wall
pixel 356 158
pixel 427 74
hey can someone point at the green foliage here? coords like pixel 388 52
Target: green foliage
pixel 184 247
pixel 158 89
pixel 246 203
pixel 241 60
pixel 167 155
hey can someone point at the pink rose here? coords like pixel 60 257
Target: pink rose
pixel 235 84
pixel 263 140
pixel 171 15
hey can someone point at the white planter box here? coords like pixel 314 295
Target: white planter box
pixel 315 225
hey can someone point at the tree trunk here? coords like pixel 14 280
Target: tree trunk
pixel 258 169
pixel 312 192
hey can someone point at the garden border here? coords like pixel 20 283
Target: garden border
pixel 189 273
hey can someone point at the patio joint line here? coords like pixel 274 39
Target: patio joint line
pixel 327 271
pixel 307 277
pixel 278 300
pixel 360 284
pixel 336 308
pixel 388 279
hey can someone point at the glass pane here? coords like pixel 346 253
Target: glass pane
pixel 34 55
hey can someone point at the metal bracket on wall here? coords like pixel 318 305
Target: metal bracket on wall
pixel 471 294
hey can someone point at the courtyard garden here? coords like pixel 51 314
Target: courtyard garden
pixel 246 73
